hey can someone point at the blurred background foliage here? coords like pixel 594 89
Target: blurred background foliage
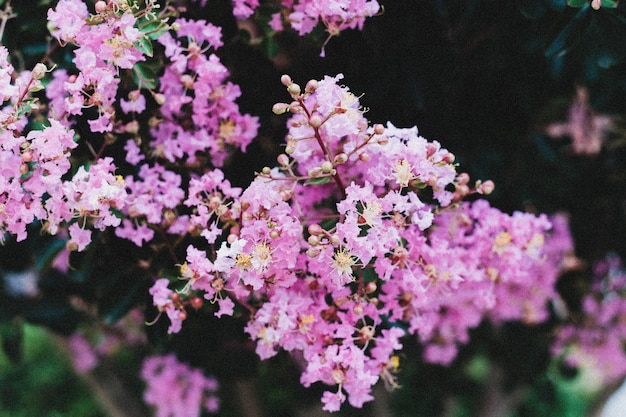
pixel 486 78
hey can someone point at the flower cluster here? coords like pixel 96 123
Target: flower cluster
pixel 339 273
pixel 597 338
pixel 176 389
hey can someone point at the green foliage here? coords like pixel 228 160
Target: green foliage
pixel 42 384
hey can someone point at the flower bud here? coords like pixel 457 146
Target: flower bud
pixel 280 108
pixel 266 171
pixel 290 148
pixel 232 238
pixel 379 129
pixel 283 159
pixel 295 107
pixel 311 86
pixel 313 240
pixel 448 158
pixel 101 6
pixel 314 172
pixel 285 80
pixel 463 178
pixel 340 159
pixel 382 140
pixel 486 187
pixel 159 98
pixel 315 120
pixel 364 157
pixel 294 90
pixel 327 167
pixel 370 288
pixel 132 127
pixel 315 229
pixel 39 71
pixel 187 81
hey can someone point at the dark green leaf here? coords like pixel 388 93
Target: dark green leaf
pixel 577 3
pixel 144 45
pixel 145 75
pixel 12 339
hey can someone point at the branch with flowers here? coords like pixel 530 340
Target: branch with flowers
pixel 363 236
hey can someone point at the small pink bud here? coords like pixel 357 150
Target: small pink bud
pixel 357 309
pixel 132 127
pixel 134 95
pixel 101 6
pixel 290 148
pixel 448 158
pixel 159 98
pixel 486 187
pixel 284 195
pixel 232 238
pixel 314 172
pixel 266 170
pixel 364 156
pixel 379 129
pixel 463 178
pixel 274 234
pixel 187 81
pixel 315 120
pixel 315 229
pixel 283 159
pixel 295 107
pixel 370 287
pixel 340 159
pixel 313 240
pixel 280 108
pixel 27 156
pixel 285 80
pixel 311 86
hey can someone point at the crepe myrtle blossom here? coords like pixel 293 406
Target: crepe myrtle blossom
pixel 358 238
pixel 175 389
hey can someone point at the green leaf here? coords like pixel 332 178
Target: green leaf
pixel 12 337
pixel 145 75
pixel 577 3
pixel 154 28
pixel 144 45
pixel 610 3
pixel 320 180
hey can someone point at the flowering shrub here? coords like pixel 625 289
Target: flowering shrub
pixel 361 236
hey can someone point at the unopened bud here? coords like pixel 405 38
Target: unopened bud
pixel 232 238
pixel 315 120
pixel 280 108
pixel 340 159
pixel 364 156
pixel 313 240
pixel 285 80
pixel 159 98
pixel 187 81
pixel 370 288
pixel 266 171
pixel 486 187
pixel 448 158
pixel 283 159
pixel 295 107
pixel 132 127
pixel 39 71
pixel 311 86
pixel 463 178
pixel 315 229
pixel 327 167
pixel 290 148
pixel 294 90
pixel 101 6
pixel 314 172
pixel 379 129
